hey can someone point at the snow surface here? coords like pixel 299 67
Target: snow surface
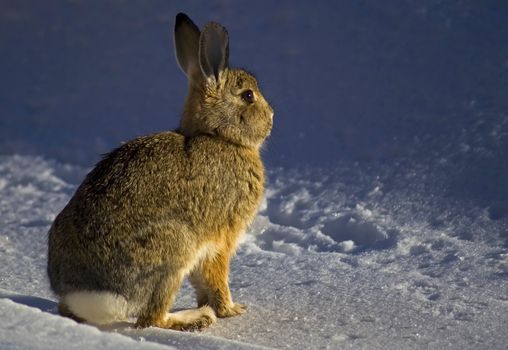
pixel 385 223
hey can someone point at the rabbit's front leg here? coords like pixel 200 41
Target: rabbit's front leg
pixel 210 279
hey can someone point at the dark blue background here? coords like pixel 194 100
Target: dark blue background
pixel 391 82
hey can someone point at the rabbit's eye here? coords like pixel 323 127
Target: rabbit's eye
pixel 248 96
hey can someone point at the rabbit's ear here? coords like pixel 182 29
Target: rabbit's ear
pixel 213 50
pixel 186 38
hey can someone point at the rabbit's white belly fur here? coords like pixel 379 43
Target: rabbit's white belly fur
pixel 101 307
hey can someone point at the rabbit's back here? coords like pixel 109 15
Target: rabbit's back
pixel 149 206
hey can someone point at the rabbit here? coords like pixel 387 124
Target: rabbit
pixel 169 205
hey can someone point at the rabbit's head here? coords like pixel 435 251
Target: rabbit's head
pixel 222 101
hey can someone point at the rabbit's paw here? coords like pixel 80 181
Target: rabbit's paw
pixel 186 320
pixel 233 310
pixel 197 325
pixel 192 320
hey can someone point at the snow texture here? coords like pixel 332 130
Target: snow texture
pixel 385 219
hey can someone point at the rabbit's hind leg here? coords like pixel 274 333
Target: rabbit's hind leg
pixel 156 311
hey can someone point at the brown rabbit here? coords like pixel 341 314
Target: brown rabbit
pixel 168 205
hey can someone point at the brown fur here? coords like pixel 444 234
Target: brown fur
pixel 170 204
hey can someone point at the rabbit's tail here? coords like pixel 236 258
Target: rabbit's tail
pixel 93 307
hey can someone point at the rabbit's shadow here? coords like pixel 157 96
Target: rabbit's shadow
pixel 45 305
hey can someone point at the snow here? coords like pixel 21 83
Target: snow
pixel 385 220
